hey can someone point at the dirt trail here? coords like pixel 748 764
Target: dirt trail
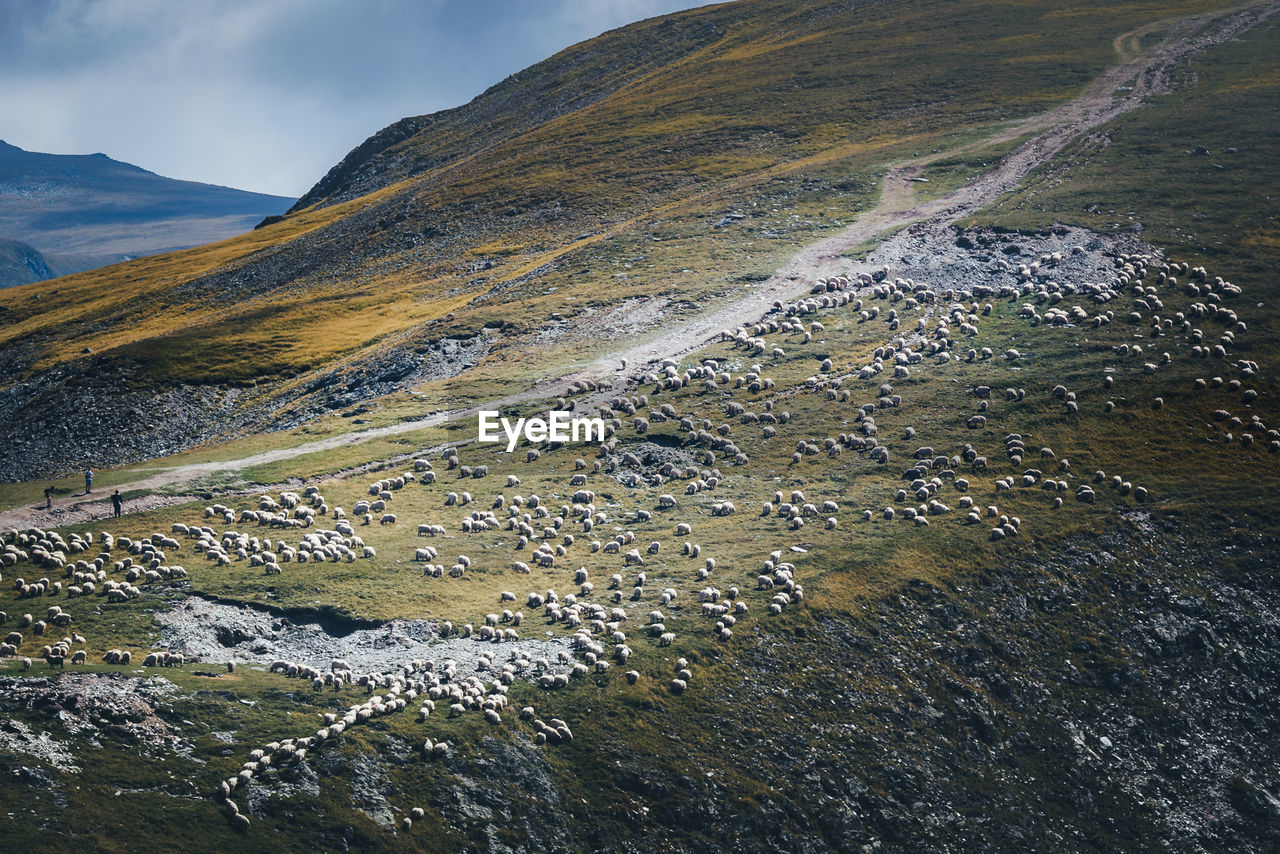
pixel 1148 74
pixel 1140 74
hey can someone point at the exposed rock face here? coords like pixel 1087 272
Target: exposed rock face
pixel 95 414
pixel 217 632
pixel 498 817
pixel 114 705
pixel 1082 700
pixel 51 427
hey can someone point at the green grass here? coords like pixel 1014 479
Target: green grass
pixel 1141 167
pixel 842 570
pixel 949 172
pixel 656 156
pixel 728 723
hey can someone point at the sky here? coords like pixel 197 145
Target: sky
pixel 264 95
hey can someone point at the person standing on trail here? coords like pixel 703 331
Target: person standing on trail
pixel 88 481
pixel 48 497
pixel 116 502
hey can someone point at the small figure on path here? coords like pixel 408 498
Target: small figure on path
pixel 48 497
pixel 88 481
pixel 117 502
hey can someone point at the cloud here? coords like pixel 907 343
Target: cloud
pixel 263 96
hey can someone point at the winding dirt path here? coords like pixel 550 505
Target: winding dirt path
pixel 1148 74
pixel 1124 87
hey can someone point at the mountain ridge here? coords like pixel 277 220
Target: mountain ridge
pixel 85 210
pixel 346 180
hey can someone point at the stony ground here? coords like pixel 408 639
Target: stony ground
pixel 215 632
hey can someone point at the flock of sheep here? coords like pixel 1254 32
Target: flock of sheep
pixel 629 597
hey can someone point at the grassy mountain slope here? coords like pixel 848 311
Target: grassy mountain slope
pixel 1095 683
pixel 1171 174
pixel 604 165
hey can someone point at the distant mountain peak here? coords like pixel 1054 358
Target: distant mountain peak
pixel 85 210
